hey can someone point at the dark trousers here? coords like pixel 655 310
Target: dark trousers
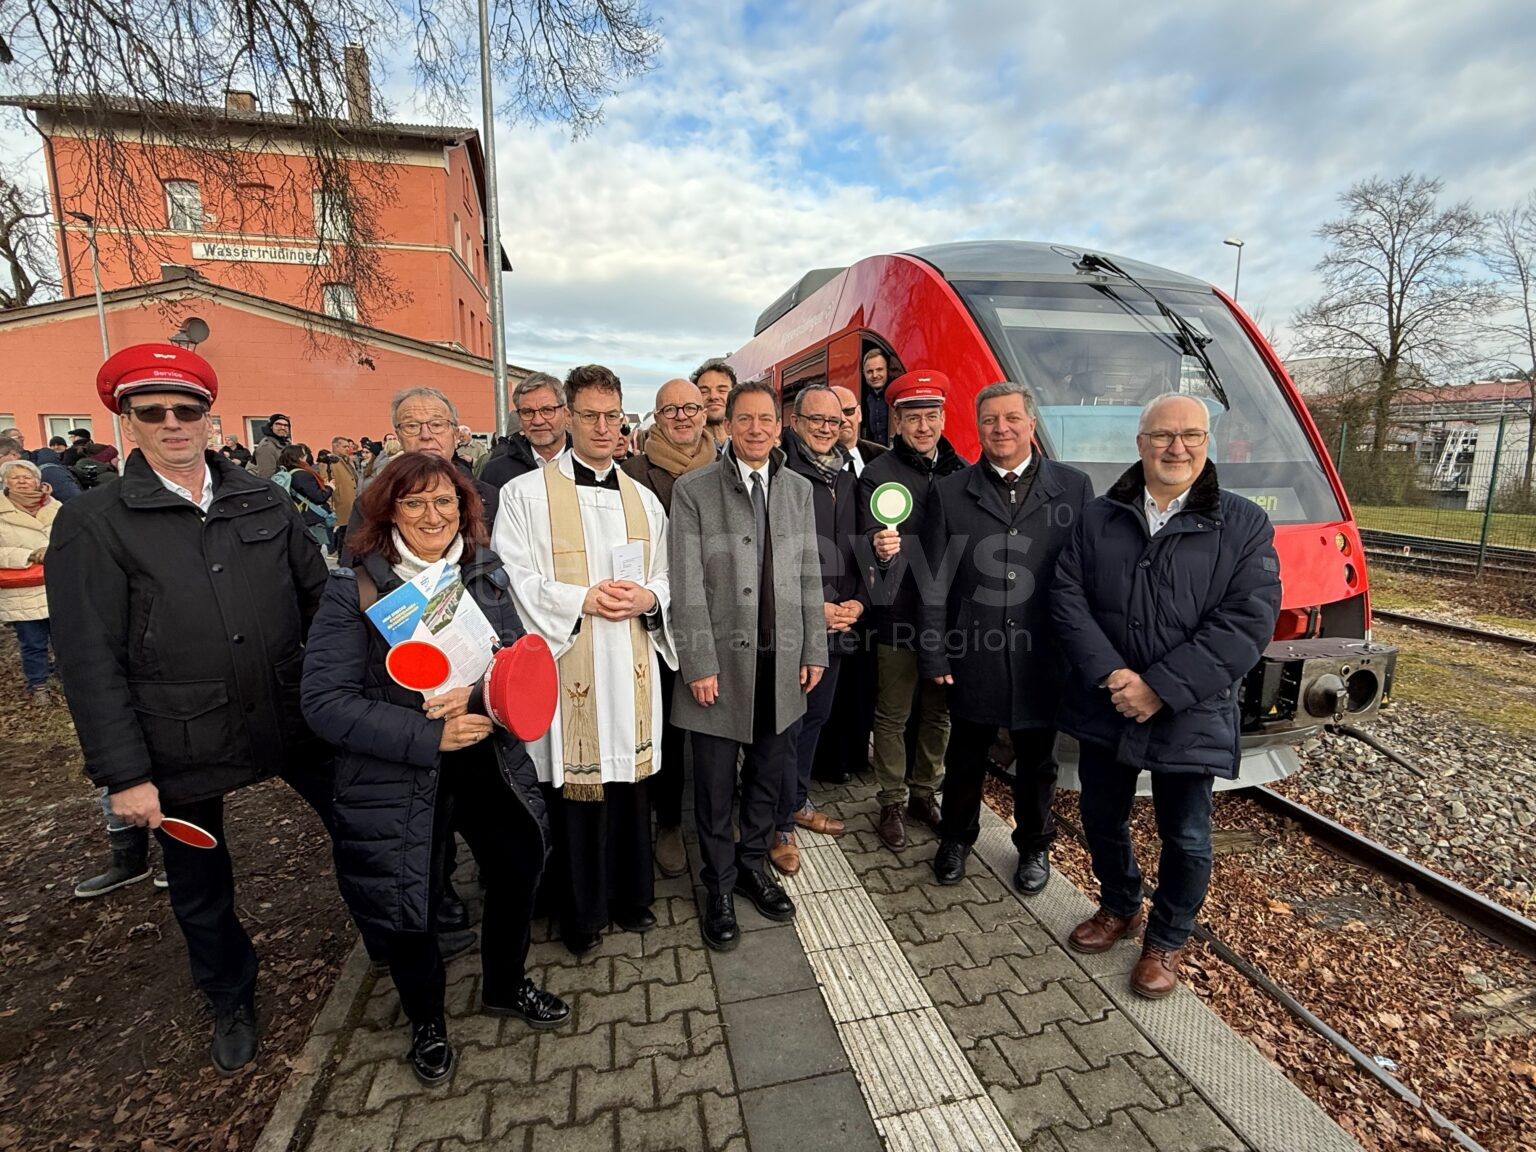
pixel 32 637
pixel 804 734
pixel 667 785
pixel 1034 784
pixel 844 743
pixel 714 786
pixel 475 799
pixel 602 859
pixel 202 892
pixel 1182 803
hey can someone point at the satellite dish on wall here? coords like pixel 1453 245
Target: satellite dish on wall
pixel 193 331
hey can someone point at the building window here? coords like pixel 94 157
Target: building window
pixel 331 219
pixel 183 206
pixel 339 301
pixel 61 425
pixel 463 335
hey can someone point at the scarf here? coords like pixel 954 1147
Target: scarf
pixel 680 461
pixel 410 565
pixel 30 507
pixel 828 464
pixel 580 737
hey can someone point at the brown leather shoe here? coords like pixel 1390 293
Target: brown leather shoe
pixel 1099 932
pixel 925 809
pixel 891 830
pixel 785 853
pixel 1157 972
pixel 815 821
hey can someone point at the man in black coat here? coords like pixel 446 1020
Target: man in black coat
pixel 987 626
pixel 180 600
pixel 1164 600
pixel 539 401
pixel 920 458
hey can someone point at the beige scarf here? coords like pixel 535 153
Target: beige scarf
pixel 679 461
pixel 580 737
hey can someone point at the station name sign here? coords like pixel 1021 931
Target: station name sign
pixel 259 253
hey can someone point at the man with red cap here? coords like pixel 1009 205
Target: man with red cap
pixel 181 596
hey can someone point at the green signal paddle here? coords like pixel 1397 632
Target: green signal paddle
pixel 891 503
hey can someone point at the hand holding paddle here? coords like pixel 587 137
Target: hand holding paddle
pixel 448 705
pixel 462 731
pixel 139 805
pixel 887 543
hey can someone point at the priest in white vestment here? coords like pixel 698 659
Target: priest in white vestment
pixel 586 550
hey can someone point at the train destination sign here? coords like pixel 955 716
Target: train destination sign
pixel 259 253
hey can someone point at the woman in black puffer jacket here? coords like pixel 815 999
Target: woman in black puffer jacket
pixel 404 764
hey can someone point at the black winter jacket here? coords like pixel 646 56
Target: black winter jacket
pixel 1190 609
pixel 511 461
pixel 388 761
pixel 837 531
pixel 896 591
pixel 180 635
pixel 988 622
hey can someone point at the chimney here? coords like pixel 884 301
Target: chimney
pixel 359 90
pixel 299 108
pixel 238 100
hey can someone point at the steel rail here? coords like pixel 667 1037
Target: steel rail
pixel 1470 631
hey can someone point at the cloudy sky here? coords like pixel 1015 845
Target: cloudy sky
pixel 773 138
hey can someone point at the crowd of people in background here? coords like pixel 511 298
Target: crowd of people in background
pixel 722 587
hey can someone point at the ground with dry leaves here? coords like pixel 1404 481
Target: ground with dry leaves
pixel 103 1039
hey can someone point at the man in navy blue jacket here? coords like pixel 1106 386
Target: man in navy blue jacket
pixel 1164 600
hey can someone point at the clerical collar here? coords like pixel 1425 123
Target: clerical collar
pixel 586 477
pixel 1004 473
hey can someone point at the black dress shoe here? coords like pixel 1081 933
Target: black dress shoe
pixel 451 944
pixel 431 1056
pixel 1033 871
pixel 949 862
pixel 235 1039
pixel 766 895
pixel 635 919
pixel 578 942
pixel 452 916
pixel 536 1007
pixel 719 923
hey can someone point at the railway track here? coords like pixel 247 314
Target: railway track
pixel 1466 631
pixel 1405 550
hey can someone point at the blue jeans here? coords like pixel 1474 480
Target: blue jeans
pixel 1182 802
pixel 803 735
pixel 115 823
pixel 33 636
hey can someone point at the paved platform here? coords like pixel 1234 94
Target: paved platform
pixel 893 1013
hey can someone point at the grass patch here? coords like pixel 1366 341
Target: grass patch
pixel 1506 528
pixel 1479 682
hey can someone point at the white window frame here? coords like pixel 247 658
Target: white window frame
pixel 331 219
pixel 339 301
pixel 60 426
pixel 183 206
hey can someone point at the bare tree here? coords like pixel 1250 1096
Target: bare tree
pixel 1397 291
pixel 143 83
pixel 1510 255
pixel 25 253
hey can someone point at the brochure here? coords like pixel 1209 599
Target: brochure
pixel 433 608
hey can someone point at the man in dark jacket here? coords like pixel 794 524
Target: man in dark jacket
pixel 279 435
pixel 1163 602
pixel 876 368
pixel 181 596
pixel 676 446
pixel 539 401
pixel 920 458
pixel 811 450
pixel 235 452
pixel 78 439
pixel 987 626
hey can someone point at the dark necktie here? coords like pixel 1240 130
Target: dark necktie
pixel 759 514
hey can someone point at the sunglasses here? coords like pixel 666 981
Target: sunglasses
pixel 155 413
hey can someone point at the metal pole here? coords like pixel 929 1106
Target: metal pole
pixel 1238 277
pixel 101 321
pixel 1488 501
pixel 493 228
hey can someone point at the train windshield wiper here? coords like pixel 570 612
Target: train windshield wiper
pixel 1190 342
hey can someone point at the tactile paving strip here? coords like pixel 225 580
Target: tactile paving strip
pixel 959 1127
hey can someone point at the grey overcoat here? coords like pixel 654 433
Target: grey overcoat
pixel 714 565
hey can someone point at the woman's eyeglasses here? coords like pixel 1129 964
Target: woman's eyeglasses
pixel 155 413
pixel 418 505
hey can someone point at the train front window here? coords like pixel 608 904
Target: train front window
pixel 1094 357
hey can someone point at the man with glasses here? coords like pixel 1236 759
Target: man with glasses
pixel 715 379
pixel 181 597
pixel 586 550
pixel 1163 601
pixel 811 450
pixel 540 408
pixel 676 446
pixel 902 574
pixel 987 626
pixel 278 436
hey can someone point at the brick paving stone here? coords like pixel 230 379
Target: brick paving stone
pixel 393 1080
pixel 1037 1009
pixel 549 1102
pixel 705 1031
pixel 940 986
pixel 595 1008
pixel 937 954
pixel 874 881
pixel 659 967
pixel 1101 1091
pixel 974 983
pixel 369 1133
pixel 693 1074
pixel 990 1066
pixel 1190 1126
pixel 1119 1135
pixel 684 935
pixel 990 887
pixel 936 925
pixel 633 1087
pixel 1043 1053
pixel 463 995
pixel 1095 1004
pixel 369 1046
pixel 476 1028
pixel 1028 1109
pixel 597 1135
pixel 559 1051
pixel 910 899
pixel 348 1091
pixel 947 896
pixel 681 910
pixel 780 1038
pixel 666 999
pixel 722 1118
pixel 617 942
pixel 382 1010
pixel 1112 1036
pixel 1161 1077
pixel 984 947
pixel 435 1118
pixel 510 1063
pixel 632 1042
pixel 678 1126
pixel 903 928
pixel 972 1022
pixel 1035 972
pixel 1043 1141
pixel 569 975
pixel 691 961
pixel 989 916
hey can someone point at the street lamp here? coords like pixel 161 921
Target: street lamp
pixel 101 308
pixel 1236 279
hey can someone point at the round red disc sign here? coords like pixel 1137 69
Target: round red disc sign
pixel 188 833
pixel 418 665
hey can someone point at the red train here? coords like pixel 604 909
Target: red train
pixel 1096 337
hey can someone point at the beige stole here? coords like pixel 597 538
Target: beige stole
pixel 580 738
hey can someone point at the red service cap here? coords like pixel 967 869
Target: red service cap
pixel 921 389
pixel 155 368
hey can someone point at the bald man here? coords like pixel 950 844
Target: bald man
pixel 677 445
pixel 860 450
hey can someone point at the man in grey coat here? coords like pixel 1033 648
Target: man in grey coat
pixel 751 642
